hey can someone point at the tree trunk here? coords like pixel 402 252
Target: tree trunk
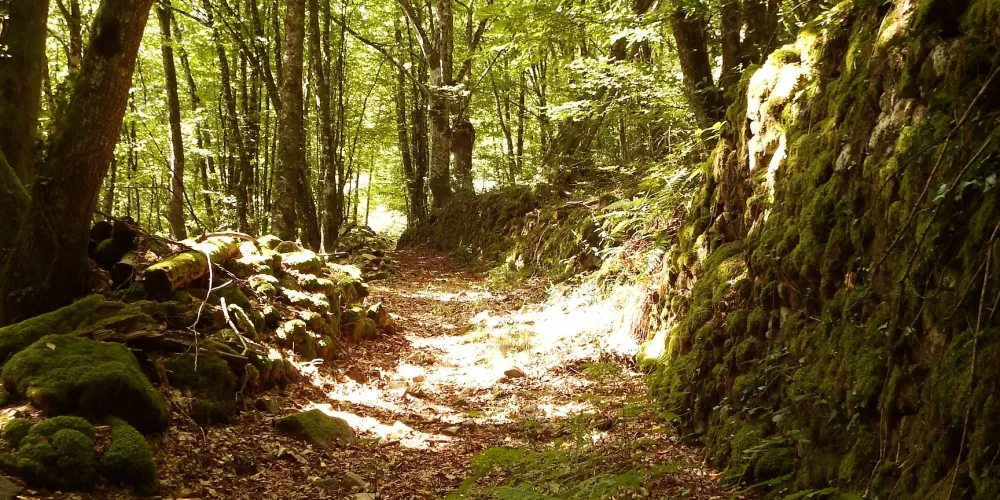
pixel 462 142
pixel 74 24
pixel 203 133
pixel 692 51
pixel 22 69
pixel 48 265
pixel 331 216
pixel 109 200
pixel 403 139
pixel 175 213
pixel 291 126
pixel 232 128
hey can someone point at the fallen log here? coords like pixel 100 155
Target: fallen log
pixel 176 271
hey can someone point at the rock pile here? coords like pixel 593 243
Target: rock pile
pixel 252 307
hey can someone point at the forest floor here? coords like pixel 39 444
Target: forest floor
pixel 471 368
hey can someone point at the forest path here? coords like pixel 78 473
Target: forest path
pixel 469 369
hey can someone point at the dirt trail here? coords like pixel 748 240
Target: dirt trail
pixel 468 370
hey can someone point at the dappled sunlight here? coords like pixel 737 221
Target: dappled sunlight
pixel 407 436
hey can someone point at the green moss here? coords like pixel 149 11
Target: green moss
pixel 57 454
pixel 14 431
pixel 317 428
pixel 304 261
pixel 66 374
pixel 127 459
pixel 16 337
pixel 48 428
pixel 312 301
pixel 233 296
pixel 211 382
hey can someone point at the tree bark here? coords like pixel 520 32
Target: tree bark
pixel 22 70
pixel 291 153
pixel 403 139
pixel 692 51
pixel 48 265
pixel 203 133
pixel 74 24
pixel 175 209
pixel 331 216
pixel 462 142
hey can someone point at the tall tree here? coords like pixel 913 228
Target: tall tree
pixel 291 126
pixel 47 266
pixel 175 212
pixel 22 69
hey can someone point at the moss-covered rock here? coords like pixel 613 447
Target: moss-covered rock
pixel 269 241
pixel 57 454
pixel 312 301
pixel 287 247
pixel 14 431
pixel 64 374
pixel 271 316
pixel 18 336
pixel 317 428
pixel 264 284
pixel 211 382
pixel 303 261
pixel 128 460
pixel 233 296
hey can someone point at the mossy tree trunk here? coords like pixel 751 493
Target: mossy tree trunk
pixel 47 266
pixel 462 142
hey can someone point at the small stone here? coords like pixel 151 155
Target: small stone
pixel 364 496
pixel 452 431
pixel 353 481
pixel 514 372
pixel 328 484
pixel 267 404
pixel 419 378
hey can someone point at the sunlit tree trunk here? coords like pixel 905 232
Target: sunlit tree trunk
pixel 74 25
pixel 291 126
pixel 690 29
pixel 203 133
pixel 48 265
pixel 175 211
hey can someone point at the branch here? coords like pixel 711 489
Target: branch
pixel 381 49
pixel 422 38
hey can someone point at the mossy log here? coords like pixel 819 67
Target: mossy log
pixel 176 271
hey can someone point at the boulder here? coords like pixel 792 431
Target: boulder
pixel 127 459
pixel 56 454
pixel 304 261
pixel 211 383
pixel 63 374
pixel 317 428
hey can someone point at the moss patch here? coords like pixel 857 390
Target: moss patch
pixel 127 459
pixel 317 428
pixel 64 374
